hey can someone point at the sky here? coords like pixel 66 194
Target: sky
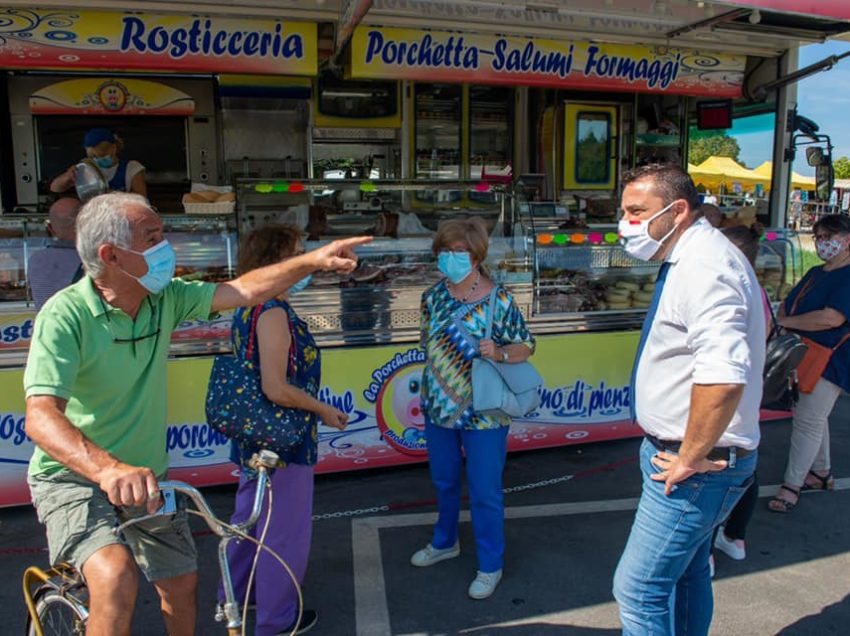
pixel 823 97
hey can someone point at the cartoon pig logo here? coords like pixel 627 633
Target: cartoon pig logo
pixel 399 412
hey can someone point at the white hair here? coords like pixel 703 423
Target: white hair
pixel 104 220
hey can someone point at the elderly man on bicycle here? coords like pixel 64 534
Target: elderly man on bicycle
pixel 96 405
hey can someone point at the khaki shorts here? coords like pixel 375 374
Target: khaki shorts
pixel 79 521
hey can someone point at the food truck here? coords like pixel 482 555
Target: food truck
pixel 386 117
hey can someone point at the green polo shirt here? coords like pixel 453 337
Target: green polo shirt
pixel 116 391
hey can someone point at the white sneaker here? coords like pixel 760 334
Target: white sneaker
pixel 484 584
pixel 734 549
pixel 429 555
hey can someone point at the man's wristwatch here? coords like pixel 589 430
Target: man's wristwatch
pixel 504 354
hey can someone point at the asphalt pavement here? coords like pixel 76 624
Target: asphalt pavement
pixel 567 517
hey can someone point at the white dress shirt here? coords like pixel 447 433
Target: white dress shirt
pixel 709 328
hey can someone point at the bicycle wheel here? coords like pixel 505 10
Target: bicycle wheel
pixel 59 616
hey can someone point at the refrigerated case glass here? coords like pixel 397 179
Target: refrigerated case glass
pixel 205 246
pixel 380 301
pixel 20 237
pixel 490 129
pixel 439 119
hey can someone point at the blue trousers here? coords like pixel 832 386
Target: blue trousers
pixel 485 452
pixel 662 583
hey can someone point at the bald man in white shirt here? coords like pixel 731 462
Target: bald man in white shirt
pixel 697 386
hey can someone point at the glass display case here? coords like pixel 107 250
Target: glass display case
pixel 205 245
pixel 779 264
pixel 205 248
pixel 380 300
pixel 20 236
pixel 584 279
pixel 585 272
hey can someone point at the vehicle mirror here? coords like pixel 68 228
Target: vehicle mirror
pixel 814 156
pixel 824 180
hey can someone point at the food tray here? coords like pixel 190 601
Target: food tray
pixel 221 207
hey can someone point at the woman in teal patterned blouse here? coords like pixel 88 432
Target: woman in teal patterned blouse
pixel 454 315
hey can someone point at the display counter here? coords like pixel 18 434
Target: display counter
pixel 582 295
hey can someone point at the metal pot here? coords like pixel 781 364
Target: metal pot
pixel 89 181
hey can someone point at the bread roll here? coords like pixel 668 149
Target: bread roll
pixel 644 297
pixel 192 197
pixel 616 296
pixel 225 197
pixel 623 284
pixel 625 305
pixel 208 196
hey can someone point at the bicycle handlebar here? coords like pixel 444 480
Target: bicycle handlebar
pixel 262 461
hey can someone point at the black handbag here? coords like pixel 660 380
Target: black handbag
pixel 784 353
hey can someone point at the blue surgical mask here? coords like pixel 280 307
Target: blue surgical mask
pixel 161 261
pixel 455 265
pixel 300 285
pixel 104 163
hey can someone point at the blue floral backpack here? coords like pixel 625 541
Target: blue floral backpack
pixel 237 407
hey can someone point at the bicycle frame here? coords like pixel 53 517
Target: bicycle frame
pixel 68 581
pixel 263 461
pixel 63 578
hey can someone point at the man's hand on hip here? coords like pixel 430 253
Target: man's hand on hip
pixel 673 470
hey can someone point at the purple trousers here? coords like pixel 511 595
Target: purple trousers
pixel 289 534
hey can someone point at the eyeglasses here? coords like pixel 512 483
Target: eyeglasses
pixel 448 251
pixel 128 340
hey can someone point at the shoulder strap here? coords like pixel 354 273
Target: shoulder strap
pixel 775 331
pixel 252 336
pixel 800 295
pixel 491 312
pixel 842 341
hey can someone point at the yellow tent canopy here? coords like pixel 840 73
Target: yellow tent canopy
pixel 717 171
pixel 798 181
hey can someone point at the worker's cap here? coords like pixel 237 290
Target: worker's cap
pixel 97 136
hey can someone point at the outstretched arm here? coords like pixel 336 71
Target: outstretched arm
pixel 259 285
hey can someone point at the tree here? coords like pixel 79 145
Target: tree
pixel 713 146
pixel 842 168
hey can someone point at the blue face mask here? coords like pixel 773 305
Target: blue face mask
pixel 161 261
pixel 104 163
pixel 455 265
pixel 300 285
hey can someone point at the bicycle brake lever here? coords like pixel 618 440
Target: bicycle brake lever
pixel 265 458
pixel 168 507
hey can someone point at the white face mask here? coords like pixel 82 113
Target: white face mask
pixel 635 238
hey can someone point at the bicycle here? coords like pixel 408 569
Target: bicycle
pixel 57 599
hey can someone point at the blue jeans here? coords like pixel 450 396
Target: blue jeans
pixel 485 452
pixel 666 556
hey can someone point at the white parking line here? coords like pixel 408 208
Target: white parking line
pixel 372 614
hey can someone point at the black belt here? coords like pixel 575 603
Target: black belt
pixel 716 453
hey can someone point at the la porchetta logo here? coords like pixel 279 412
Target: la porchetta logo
pixel 398 410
